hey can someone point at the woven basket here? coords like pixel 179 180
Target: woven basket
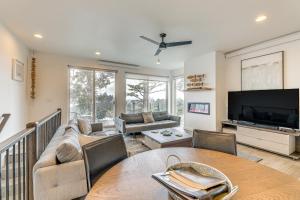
pixel 205 170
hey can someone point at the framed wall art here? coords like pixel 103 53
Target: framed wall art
pixel 18 70
pixel 263 72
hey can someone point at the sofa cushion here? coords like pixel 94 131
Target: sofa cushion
pixel 48 157
pixel 74 127
pixel 69 149
pixel 84 126
pixel 132 118
pixel 148 117
pixel 85 139
pixel 138 127
pixel 73 124
pixel 159 116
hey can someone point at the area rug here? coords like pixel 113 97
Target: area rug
pixel 248 156
pixel 134 144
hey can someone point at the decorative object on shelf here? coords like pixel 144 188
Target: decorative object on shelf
pixel 33 77
pixel 18 70
pixel 196 82
pixel 199 108
pixel 263 72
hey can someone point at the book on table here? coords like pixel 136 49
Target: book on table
pixel 190 184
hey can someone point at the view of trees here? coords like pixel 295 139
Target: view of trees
pixel 145 95
pixel 82 91
pixel 179 85
pixel 141 95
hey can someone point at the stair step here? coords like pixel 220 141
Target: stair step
pixel 3 171
pixel 10 158
pixel 3 188
pixel 10 154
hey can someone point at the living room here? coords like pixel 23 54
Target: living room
pixel 98 89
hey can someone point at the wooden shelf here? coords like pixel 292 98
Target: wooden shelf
pixel 197 89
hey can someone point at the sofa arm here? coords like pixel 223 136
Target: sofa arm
pixel 63 181
pixel 120 125
pixel 175 118
pixel 97 127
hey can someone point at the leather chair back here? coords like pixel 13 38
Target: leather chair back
pixel 101 155
pixel 223 142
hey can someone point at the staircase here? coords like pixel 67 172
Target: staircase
pixel 20 152
pixel 15 174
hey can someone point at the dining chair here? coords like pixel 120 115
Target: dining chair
pixel 101 155
pixel 223 142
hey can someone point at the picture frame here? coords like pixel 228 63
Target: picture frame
pixel 199 108
pixel 18 70
pixel 263 72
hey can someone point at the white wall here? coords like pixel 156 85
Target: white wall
pixel 204 64
pixel 213 66
pixel 291 47
pixel 220 89
pixel 13 94
pixel 52 83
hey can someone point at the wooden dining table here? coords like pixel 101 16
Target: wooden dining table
pixel 131 179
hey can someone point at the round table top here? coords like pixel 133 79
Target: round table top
pixel 131 179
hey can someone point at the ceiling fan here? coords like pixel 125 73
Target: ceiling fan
pixel 163 45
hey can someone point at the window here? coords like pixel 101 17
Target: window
pixel 146 93
pixel 92 94
pixel 179 96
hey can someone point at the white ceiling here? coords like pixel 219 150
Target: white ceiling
pixel 80 27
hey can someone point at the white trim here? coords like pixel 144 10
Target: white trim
pixel 92 68
pixel 146 77
pixel 292 37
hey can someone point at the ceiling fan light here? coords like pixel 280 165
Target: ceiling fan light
pixel 158 62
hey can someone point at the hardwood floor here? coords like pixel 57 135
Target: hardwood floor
pixel 280 163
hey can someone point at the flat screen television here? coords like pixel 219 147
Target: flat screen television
pixel 278 108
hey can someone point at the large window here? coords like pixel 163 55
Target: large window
pixel 92 94
pixel 179 96
pixel 146 93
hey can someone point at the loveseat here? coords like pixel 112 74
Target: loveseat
pixel 53 180
pixel 134 123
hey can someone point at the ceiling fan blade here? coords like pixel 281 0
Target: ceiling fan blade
pixel 174 44
pixel 149 40
pixel 157 52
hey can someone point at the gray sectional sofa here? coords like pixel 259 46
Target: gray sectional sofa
pixel 53 180
pixel 134 123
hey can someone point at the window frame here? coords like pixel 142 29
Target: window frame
pixel 94 70
pixel 174 93
pixel 142 77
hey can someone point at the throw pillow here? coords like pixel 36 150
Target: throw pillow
pixel 148 117
pixel 69 149
pixel 84 126
pixel 160 116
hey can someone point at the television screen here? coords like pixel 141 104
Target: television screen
pixel 270 107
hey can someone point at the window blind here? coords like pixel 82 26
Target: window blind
pixel 146 77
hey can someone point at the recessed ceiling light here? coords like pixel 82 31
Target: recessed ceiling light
pixel 37 35
pixel 97 53
pixel 261 18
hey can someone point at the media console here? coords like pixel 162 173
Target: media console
pixel 281 142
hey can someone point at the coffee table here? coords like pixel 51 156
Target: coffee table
pixel 154 139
